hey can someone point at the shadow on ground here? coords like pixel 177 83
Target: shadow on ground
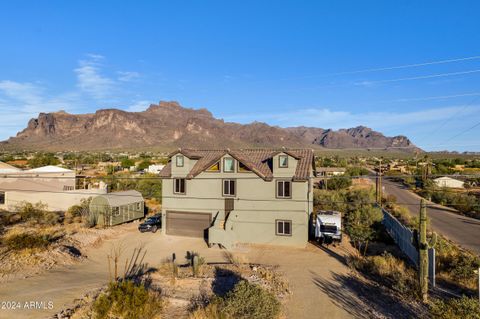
pixel 352 294
pixel 224 281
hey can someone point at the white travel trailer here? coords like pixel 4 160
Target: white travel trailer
pixel 328 226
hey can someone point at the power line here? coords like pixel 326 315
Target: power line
pixel 103 178
pixel 425 76
pixel 404 66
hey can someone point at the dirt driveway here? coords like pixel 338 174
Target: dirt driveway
pixel 310 272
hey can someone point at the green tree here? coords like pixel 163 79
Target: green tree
pixel 127 163
pixel 43 159
pixel 144 164
pixel 339 182
pixel 359 224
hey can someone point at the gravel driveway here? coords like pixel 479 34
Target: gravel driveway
pixel 308 270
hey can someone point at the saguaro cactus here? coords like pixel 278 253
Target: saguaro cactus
pixel 423 247
pixel 195 265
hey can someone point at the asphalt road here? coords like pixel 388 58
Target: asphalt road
pixel 465 231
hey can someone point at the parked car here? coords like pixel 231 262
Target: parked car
pixel 152 224
pixel 328 227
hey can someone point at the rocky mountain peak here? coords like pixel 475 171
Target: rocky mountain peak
pixel 169 125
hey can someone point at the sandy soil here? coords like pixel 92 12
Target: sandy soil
pixel 70 249
pixel 320 282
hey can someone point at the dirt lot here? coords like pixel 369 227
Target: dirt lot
pixel 319 279
pixel 68 250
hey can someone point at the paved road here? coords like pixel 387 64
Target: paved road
pixel 463 230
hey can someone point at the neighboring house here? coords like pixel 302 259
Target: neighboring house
pixel 396 167
pixel 331 171
pixel 448 182
pixel 51 185
pixel 155 168
pixel 117 208
pixel 239 196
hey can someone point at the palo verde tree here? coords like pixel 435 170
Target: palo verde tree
pixel 359 225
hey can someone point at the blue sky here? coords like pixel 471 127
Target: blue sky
pixel 286 63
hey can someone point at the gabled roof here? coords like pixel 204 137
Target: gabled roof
pixel 257 160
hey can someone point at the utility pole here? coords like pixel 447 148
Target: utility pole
pixel 379 184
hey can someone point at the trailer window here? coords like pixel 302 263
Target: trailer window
pixel 328 229
pixel 2 198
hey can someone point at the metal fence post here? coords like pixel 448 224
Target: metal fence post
pixel 431 266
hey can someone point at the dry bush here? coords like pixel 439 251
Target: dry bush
pixel 245 301
pixel 128 300
pixel 211 311
pixel 388 270
pixel 235 259
pixel 19 239
pixel 276 283
pixel 456 308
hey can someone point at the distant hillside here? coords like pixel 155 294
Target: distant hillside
pixel 169 125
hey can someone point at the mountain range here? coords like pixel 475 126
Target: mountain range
pixel 168 125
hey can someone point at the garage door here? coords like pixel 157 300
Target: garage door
pixel 188 224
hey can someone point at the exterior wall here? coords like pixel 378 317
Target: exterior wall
pixel 55 201
pixel 260 227
pixel 187 166
pixel 288 171
pixel 255 204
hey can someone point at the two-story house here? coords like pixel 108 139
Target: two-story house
pixel 260 196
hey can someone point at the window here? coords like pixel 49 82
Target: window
pixel 283 228
pixel 228 187
pixel 2 198
pixel 179 160
pixel 116 211
pixel 228 165
pixel 283 161
pixel 243 168
pixel 284 189
pixel 179 186
pixel 139 206
pixel 214 168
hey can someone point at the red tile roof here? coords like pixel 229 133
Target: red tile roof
pixel 256 160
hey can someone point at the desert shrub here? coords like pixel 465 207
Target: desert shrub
pixel 357 171
pixel 79 213
pixel 127 300
pixel 359 225
pixel 248 300
pixel 37 213
pixel 235 259
pixel 29 211
pixel 339 182
pixel 27 240
pixel 463 267
pixel 245 301
pixel 455 308
pixel 211 311
pixel 388 270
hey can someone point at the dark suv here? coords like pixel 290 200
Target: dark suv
pixel 152 224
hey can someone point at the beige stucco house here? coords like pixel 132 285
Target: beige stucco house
pixel 52 185
pixel 239 196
